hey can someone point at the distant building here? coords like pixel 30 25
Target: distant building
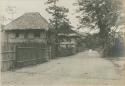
pixel 67 39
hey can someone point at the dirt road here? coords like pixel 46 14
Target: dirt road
pixel 83 69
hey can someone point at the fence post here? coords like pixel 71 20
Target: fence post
pixel 50 53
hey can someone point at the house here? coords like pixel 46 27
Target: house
pixel 67 42
pixel 25 41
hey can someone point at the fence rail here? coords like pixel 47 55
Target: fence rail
pixel 24 54
pixel 4 52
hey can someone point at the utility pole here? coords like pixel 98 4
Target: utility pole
pixel 3 19
pixel 11 10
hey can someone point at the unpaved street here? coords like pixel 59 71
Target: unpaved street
pixel 82 69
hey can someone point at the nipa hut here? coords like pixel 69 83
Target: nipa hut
pixel 67 41
pixel 25 41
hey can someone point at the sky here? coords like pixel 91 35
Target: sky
pixel 23 6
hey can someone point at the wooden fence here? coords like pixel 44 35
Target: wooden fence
pixel 20 55
pixel 17 55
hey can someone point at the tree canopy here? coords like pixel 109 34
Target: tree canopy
pixel 101 13
pixel 59 15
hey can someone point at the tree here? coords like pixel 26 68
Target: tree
pixel 104 15
pixel 59 20
pixel 58 13
pixel 91 41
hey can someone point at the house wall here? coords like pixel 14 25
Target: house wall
pixel 30 37
pixel 11 42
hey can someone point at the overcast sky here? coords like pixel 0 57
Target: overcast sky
pixel 23 6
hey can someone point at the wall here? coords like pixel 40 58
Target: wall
pixel 8 56
pixel 10 44
pixel 29 37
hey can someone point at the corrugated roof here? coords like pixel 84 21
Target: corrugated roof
pixel 31 20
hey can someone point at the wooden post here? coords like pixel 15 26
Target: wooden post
pixel 14 58
pixel 50 53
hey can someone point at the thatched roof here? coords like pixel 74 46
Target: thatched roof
pixel 32 20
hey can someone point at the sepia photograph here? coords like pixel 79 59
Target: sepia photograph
pixel 62 42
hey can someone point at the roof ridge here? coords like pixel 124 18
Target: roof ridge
pixel 29 13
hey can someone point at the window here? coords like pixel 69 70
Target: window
pixel 69 40
pixel 17 35
pixel 37 34
pixel 26 35
pixel 11 35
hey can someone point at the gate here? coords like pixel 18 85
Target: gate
pixel 30 55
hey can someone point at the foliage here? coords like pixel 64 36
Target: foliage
pixel 104 15
pixel 59 15
pixel 92 41
pixel 58 21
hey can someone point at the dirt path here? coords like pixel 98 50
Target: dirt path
pixel 85 68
